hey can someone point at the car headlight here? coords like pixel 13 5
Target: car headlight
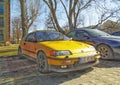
pixel 89 49
pixel 92 48
pixel 59 53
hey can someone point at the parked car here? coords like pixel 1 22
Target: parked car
pixel 106 44
pixel 54 51
pixel 116 33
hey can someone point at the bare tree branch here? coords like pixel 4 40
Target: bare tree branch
pixel 29 12
pixel 65 8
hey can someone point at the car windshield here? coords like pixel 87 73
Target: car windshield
pixel 95 32
pixel 51 36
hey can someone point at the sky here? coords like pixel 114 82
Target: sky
pixel 91 16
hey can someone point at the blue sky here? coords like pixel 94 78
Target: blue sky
pixel 91 16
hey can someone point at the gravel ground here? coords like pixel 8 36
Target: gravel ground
pixel 14 71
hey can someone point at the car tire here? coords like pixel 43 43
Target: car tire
pixel 42 63
pixel 106 52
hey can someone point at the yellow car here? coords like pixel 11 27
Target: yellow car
pixel 54 51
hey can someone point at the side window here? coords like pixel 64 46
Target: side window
pixel 30 38
pixel 117 33
pixel 81 34
pixel 41 36
pixel 72 34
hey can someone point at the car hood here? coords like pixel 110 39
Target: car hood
pixel 112 38
pixel 73 46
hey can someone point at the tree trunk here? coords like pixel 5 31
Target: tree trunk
pixel 23 18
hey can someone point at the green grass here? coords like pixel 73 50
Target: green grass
pixel 6 51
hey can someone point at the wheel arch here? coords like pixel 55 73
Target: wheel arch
pixel 46 68
pixel 40 51
pixel 103 44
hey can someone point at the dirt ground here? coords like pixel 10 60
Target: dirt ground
pixel 15 71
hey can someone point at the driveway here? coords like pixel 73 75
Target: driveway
pixel 15 71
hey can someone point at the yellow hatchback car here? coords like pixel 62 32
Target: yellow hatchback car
pixel 54 51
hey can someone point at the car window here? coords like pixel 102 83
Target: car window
pixel 97 33
pixel 81 34
pixel 117 33
pixel 30 37
pixel 72 34
pixel 41 36
pixel 50 36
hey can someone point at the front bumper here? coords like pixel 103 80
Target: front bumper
pixel 73 67
pixel 59 60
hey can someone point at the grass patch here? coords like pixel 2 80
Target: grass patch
pixel 8 50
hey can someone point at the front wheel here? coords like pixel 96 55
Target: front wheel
pixel 42 63
pixel 105 51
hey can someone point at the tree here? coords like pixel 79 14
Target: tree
pixel 74 8
pixel 52 4
pixel 110 26
pixel 105 12
pixel 72 11
pixel 16 29
pixel 49 23
pixel 29 12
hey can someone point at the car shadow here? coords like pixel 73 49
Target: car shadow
pixel 109 63
pixel 31 76
pixel 52 78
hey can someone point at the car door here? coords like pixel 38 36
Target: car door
pixel 84 36
pixel 117 34
pixel 30 45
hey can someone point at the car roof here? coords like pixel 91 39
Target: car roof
pixel 39 31
pixel 85 29
pixel 43 31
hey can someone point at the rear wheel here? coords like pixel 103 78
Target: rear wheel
pixel 105 51
pixel 42 63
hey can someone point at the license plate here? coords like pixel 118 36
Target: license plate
pixel 86 59
pixel 80 60
pixel 83 60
